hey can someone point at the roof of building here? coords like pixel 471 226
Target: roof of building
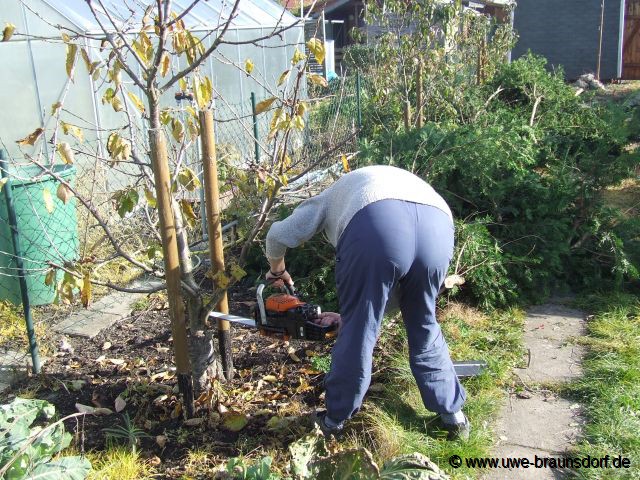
pixel 204 15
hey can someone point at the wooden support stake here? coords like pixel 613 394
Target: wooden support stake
pixel 162 179
pixel 419 122
pixel 212 201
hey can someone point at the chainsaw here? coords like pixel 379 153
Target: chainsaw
pixel 285 316
pixel 288 317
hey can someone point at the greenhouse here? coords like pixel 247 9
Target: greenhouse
pixel 65 104
pixel 34 76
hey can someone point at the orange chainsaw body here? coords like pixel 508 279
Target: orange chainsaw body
pixel 286 316
pixel 282 302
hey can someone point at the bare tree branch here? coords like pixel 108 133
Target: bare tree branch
pixel 157 60
pixel 117 51
pixel 205 55
pixel 113 286
pixel 183 14
pixel 254 41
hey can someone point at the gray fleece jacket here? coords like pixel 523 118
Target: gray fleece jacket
pixel 333 209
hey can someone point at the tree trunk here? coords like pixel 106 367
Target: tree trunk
pixel 204 359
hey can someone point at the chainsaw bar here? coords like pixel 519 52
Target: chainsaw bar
pixel 464 369
pixel 247 322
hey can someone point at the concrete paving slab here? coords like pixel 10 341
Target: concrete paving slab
pixel 13 367
pixel 103 313
pixel 549 334
pixel 539 426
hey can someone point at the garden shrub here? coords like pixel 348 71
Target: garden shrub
pixel 312 266
pixel 480 261
pixel 535 179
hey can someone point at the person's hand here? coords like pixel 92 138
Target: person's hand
pixel 329 318
pixel 279 280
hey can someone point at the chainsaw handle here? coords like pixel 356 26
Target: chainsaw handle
pixel 289 289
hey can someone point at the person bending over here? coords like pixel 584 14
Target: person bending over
pixel 393 236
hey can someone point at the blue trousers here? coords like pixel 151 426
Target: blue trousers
pixel 392 245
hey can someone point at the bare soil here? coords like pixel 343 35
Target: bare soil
pixel 133 359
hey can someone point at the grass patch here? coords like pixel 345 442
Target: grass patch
pixel 13 330
pixel 610 387
pixel 321 363
pixel 118 463
pixel 198 463
pixel 394 420
pixel 141 305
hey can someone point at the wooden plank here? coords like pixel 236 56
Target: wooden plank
pixel 631 41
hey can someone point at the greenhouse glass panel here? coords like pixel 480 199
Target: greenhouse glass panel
pixel 227 76
pixel 22 114
pixel 42 20
pixel 12 13
pixel 54 84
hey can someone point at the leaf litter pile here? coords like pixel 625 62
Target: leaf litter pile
pixel 125 378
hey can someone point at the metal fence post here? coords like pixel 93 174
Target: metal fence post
pixel 17 251
pixel 255 127
pixel 358 99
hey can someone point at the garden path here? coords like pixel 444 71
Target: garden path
pixel 535 422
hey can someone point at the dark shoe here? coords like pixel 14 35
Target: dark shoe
pixel 319 420
pixel 458 431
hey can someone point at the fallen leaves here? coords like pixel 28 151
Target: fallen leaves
pixel 234 422
pixel 162 376
pixel 292 355
pixel 120 403
pixel 161 440
pixel 453 280
pixel 279 423
pixel 131 369
pixel 303 386
pixel 194 422
pixel 92 410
